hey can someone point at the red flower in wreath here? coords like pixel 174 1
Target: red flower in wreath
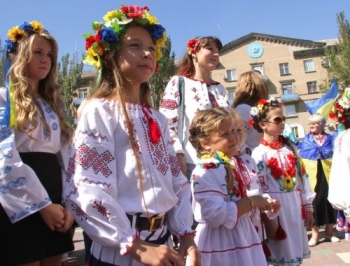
pixel 192 46
pixel 251 122
pixel 133 11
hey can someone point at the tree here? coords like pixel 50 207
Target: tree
pixel 2 65
pixel 337 57
pixel 69 75
pixel 165 71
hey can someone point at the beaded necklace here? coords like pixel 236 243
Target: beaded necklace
pixel 274 145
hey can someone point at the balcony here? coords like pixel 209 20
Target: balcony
pixel 290 97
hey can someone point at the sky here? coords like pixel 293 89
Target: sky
pixel 68 20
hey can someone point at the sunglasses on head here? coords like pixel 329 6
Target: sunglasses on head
pixel 277 120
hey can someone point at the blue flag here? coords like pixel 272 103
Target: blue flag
pixel 324 105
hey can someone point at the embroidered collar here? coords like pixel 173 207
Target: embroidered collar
pixel 274 145
pixel 203 82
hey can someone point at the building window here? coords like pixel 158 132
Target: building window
pixel 231 75
pixel 287 88
pixel 258 68
pixel 290 110
pixel 312 87
pixel 83 93
pixel 309 66
pixel 231 94
pixel 295 131
pixel 284 69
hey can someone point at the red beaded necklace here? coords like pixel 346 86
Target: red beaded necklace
pixel 274 145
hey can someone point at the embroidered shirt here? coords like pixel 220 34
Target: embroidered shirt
pixel 198 96
pixel 21 192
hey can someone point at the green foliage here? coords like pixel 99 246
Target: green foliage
pixel 69 75
pixel 2 65
pixel 337 59
pixel 165 71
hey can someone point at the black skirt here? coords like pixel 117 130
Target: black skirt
pixel 30 239
pixel 323 210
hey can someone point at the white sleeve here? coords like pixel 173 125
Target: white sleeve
pixel 209 192
pixel 170 108
pixel 21 192
pixel 339 179
pixel 91 190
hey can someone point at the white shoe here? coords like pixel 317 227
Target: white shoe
pixel 312 242
pixel 332 239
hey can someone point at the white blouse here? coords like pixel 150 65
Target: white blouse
pixel 21 192
pixel 103 183
pixel 198 96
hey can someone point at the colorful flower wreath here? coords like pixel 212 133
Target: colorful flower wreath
pixel 192 46
pixel 18 33
pixel 341 108
pixel 116 22
pixel 255 111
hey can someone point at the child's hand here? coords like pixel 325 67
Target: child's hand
pixel 310 220
pixel 275 206
pixel 68 221
pixel 53 216
pixel 188 247
pixel 260 202
pixel 155 255
pixel 182 163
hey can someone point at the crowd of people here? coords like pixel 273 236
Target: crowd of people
pixel 220 181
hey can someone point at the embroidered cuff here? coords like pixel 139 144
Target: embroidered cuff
pixel 127 243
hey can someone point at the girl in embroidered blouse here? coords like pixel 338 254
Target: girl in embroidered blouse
pixel 339 181
pixel 283 177
pixel 200 92
pixel 125 187
pixel 225 232
pixel 34 137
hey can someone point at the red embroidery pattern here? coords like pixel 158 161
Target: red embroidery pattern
pixel 101 209
pixel 212 100
pixel 174 166
pixel 78 212
pixel 87 158
pixel 169 104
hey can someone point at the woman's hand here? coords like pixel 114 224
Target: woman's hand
pixel 182 163
pixel 53 216
pixel 189 248
pixel 155 255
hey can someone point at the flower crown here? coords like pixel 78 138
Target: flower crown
pixel 18 33
pixel 192 46
pixel 116 22
pixel 254 112
pixel 341 108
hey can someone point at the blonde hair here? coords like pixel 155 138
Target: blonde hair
pixel 251 87
pixel 206 123
pixel 48 88
pixel 240 126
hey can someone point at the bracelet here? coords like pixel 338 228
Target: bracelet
pixel 309 208
pixel 251 203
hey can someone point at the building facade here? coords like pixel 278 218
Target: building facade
pixel 292 68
